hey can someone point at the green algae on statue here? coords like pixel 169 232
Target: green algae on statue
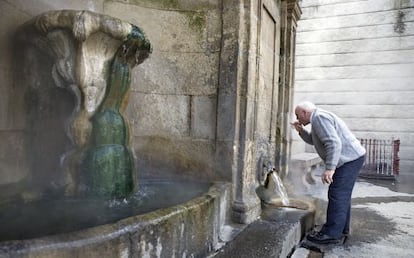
pixel 107 165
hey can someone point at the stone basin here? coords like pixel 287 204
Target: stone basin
pixel 186 229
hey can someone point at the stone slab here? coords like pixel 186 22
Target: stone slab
pixel 348 59
pixel 275 234
pixel 353 20
pixel 351 46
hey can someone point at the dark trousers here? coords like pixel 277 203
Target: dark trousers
pixel 338 215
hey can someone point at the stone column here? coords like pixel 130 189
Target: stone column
pixel 235 122
pixel 248 129
pixel 291 13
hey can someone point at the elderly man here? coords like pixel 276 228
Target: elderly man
pixel 343 156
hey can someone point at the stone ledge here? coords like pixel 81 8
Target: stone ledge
pixel 300 174
pixel 276 233
pixel 139 235
pixel 306 159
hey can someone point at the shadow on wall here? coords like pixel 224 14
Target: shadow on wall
pixel 162 157
pixel 46 108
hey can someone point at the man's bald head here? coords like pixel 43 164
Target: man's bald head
pixel 303 112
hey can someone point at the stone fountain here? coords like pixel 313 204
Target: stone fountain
pixel 77 70
pixel 73 71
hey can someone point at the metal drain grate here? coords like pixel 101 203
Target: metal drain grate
pixel 382 158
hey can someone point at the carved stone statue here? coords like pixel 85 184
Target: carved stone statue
pixel 91 55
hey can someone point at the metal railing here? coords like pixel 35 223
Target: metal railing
pixel 381 159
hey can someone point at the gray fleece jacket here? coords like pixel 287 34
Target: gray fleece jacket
pixel 332 139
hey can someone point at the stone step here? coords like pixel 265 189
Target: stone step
pixel 276 233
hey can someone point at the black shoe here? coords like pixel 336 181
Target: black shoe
pixel 320 238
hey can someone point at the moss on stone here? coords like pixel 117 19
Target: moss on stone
pixel 167 4
pixel 171 4
pixel 196 21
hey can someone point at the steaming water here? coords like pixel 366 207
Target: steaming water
pixel 47 217
pixel 280 189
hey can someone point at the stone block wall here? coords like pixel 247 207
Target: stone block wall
pixel 174 93
pixel 355 59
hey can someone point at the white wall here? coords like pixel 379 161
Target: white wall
pixel 356 58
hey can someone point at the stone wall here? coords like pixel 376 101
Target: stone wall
pixel 174 93
pixel 355 59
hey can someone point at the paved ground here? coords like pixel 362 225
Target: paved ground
pixel 382 220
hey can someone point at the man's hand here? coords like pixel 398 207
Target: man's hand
pixel 298 126
pixel 327 176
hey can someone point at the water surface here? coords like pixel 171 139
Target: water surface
pixel 47 217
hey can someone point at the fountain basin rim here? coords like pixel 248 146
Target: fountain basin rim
pixel 294 203
pixel 107 232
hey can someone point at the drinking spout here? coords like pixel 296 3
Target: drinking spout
pixel 268 169
pixel 271 189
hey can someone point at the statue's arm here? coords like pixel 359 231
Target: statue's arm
pixel 83 24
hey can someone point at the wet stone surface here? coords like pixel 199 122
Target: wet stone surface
pixel 381 224
pixel 274 234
